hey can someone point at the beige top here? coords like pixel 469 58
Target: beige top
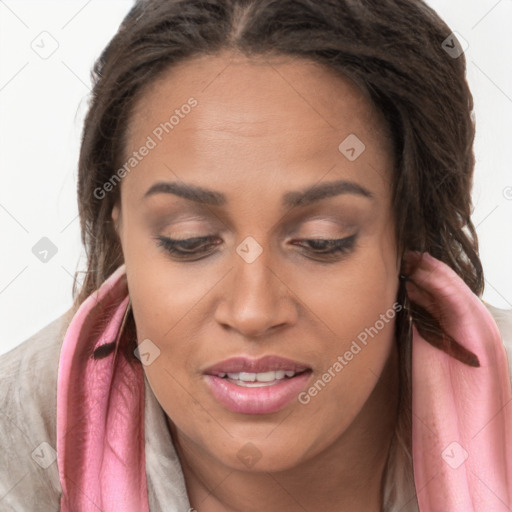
pixel 29 477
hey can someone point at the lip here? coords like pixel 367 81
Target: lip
pixel 261 365
pixel 257 400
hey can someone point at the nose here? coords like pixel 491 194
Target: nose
pixel 255 298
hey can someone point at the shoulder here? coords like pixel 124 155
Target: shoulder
pixel 503 319
pixel 29 478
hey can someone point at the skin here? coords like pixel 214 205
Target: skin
pixel 263 128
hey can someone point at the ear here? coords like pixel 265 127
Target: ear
pixel 116 218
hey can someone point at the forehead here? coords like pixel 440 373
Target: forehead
pixel 278 116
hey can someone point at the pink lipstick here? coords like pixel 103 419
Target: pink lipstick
pixel 257 386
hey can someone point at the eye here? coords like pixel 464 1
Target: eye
pixel 202 246
pixel 329 248
pixel 188 247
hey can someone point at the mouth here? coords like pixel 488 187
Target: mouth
pixel 259 386
pixel 258 380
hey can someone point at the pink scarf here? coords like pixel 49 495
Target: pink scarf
pixel 462 415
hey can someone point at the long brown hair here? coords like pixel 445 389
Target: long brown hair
pixel 393 49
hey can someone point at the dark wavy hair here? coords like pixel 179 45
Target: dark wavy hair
pixel 393 50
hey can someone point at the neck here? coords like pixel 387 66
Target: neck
pixel 346 476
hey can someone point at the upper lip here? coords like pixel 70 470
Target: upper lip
pixel 261 365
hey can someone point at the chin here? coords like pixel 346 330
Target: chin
pixel 264 453
pixel 254 458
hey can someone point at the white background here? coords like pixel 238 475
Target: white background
pixel 43 102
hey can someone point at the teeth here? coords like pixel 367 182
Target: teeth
pixel 266 377
pixel 259 377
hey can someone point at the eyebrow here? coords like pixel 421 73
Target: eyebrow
pixel 290 199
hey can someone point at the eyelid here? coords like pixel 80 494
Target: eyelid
pixel 326 218
pixel 330 230
pixel 335 249
pixel 341 216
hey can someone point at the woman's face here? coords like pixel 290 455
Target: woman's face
pixel 234 144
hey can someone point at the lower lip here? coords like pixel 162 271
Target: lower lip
pixel 257 400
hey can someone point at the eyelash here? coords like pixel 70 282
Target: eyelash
pixel 336 247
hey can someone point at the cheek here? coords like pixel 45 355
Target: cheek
pixel 165 308
pixel 355 338
pixel 355 314
pixel 351 295
pixel 164 294
pixel 164 303
pixel 354 318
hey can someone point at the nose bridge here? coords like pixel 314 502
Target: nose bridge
pixel 255 300
pixel 254 284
